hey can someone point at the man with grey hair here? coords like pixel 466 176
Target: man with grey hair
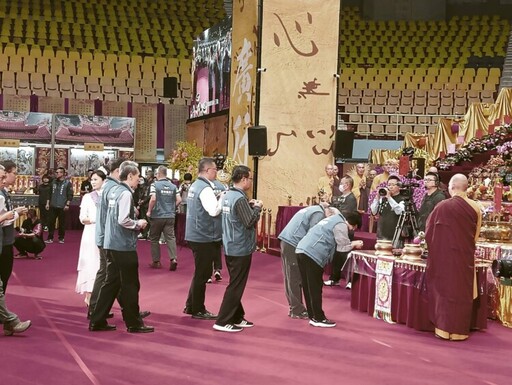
pixel 203 232
pixel 162 213
pixel 315 250
pixel 120 245
pixel 290 237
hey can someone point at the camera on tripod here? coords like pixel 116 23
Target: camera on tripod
pixel 407 189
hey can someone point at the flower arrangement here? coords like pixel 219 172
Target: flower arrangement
pixel 479 145
pixel 185 158
pixel 483 179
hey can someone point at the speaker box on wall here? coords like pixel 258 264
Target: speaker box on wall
pixel 257 140
pixel 343 144
pixel 171 87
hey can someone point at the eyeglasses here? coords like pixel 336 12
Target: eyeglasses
pixel 392 184
pixel 211 168
pixel 429 180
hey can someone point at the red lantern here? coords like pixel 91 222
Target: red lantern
pixel 421 142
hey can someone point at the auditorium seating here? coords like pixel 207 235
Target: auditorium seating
pixel 395 76
pixel 422 70
pixel 126 39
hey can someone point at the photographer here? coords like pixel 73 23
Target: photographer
pixel 183 192
pixel 433 196
pixel 389 204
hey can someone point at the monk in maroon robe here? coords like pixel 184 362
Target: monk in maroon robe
pixel 451 233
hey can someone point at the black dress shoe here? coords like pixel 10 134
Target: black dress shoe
pixel 141 329
pixel 144 314
pixel 101 328
pixel 187 310
pixel 206 315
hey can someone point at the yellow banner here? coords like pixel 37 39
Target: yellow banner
pixel 19 103
pixel 81 107
pixel 243 77
pixel 299 56
pixel 145 131
pixel 93 146
pixel 9 142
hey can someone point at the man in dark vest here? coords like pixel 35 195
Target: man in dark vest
pixel 315 250
pixel 162 212
pixel 203 232
pixel 120 246
pixel 239 220
pixel 290 237
pixel 62 195
pixel 389 206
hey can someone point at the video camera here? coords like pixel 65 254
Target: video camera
pixel 407 189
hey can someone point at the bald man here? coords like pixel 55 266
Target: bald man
pixel 325 184
pixel 451 233
pixel 359 180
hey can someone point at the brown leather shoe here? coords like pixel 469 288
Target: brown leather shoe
pixel 155 265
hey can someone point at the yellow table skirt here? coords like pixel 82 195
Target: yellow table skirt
pixel 504 311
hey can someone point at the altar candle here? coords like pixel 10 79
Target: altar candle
pixel 498 196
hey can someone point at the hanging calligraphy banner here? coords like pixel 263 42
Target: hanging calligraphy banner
pixel 299 60
pixel 383 289
pixel 243 77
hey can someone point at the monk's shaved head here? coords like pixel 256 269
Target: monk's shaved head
pixel 458 183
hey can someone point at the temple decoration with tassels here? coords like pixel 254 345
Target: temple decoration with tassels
pixel 262 232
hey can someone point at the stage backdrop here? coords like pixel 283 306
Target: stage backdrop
pixel 243 78
pixel 299 51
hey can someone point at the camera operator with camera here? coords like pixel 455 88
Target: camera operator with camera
pixel 389 205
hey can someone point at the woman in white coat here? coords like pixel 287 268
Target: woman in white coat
pixel 89 255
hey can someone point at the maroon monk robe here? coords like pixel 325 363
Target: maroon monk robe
pixel 450 235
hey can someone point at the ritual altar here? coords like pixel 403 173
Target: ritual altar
pixel 409 300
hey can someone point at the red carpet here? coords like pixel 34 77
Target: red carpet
pixel 59 349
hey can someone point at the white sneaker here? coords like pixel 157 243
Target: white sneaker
pixel 230 328
pixel 348 286
pixel 330 282
pixel 245 324
pixel 322 324
pixel 20 327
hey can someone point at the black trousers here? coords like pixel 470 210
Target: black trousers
pixel 338 261
pixel 6 262
pixel 203 260
pixel 101 275
pixel 217 259
pixel 44 215
pixel 231 310
pixel 60 214
pixel 122 281
pixel 29 245
pixel 312 284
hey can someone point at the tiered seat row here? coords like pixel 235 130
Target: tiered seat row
pixel 396 112
pixel 420 43
pixel 157 28
pixel 421 78
pixel 83 76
